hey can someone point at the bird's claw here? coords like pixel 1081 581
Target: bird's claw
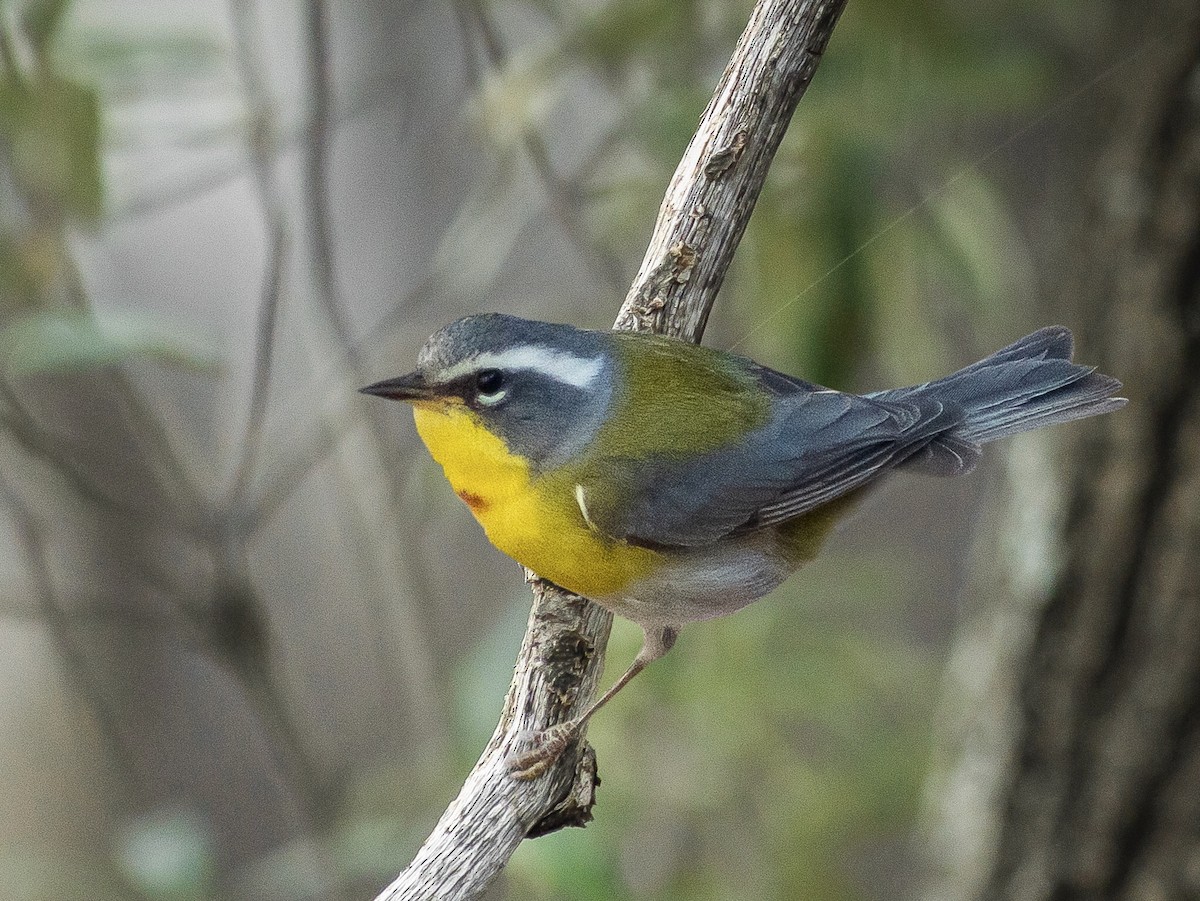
pixel 547 747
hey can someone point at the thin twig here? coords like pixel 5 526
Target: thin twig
pixel 248 651
pixel 412 664
pixel 402 621
pixel 701 220
pixel 263 148
pixel 147 430
pixel 264 352
pixel 316 174
pixel 291 136
pixel 562 193
pixel 19 423
pixel 57 621
pixel 289 473
pixel 465 21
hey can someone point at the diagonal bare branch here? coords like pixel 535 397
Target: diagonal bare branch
pixel 702 218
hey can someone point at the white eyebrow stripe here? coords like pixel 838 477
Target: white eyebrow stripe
pixel 568 368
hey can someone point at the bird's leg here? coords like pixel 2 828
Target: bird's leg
pixel 551 743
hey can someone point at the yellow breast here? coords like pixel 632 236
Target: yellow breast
pixel 535 519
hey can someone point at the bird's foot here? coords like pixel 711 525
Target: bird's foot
pixel 546 748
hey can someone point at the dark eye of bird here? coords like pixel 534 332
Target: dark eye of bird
pixel 489 381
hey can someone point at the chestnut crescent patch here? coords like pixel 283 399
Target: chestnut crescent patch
pixel 474 501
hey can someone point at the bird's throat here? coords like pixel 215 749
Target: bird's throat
pixel 535 519
pixel 479 466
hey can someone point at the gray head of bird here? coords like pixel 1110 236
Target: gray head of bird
pixel 543 388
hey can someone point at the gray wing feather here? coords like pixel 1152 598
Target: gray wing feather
pixel 818 446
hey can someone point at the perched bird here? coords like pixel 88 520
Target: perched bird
pixel 671 482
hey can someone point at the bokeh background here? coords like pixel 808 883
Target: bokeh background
pixel 250 643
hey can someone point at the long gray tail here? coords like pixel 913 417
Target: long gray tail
pixel 1030 384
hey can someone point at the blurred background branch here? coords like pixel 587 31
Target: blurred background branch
pixel 564 198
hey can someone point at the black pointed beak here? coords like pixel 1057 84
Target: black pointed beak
pixel 411 387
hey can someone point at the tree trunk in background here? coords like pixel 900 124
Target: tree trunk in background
pixel 1103 796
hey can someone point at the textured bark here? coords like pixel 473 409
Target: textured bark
pixel 703 216
pixel 1103 800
